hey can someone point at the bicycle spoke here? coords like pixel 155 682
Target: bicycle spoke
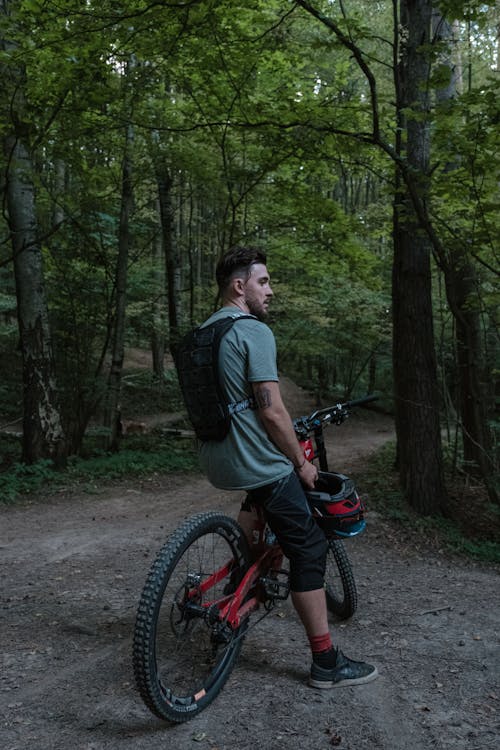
pixel 182 652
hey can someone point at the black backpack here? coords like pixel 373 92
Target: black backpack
pixel 197 362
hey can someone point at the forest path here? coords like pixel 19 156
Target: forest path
pixel 73 566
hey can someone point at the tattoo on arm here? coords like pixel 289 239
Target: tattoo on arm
pixel 263 398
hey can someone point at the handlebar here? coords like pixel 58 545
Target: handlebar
pixel 337 413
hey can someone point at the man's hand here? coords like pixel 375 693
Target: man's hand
pixel 308 475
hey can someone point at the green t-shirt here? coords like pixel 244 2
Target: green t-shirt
pixel 246 458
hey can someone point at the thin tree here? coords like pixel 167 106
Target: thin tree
pixel 165 185
pixel 462 284
pixel 43 435
pixel 112 407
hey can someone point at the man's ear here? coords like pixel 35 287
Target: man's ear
pixel 238 285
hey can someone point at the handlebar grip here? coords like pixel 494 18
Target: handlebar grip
pixel 304 425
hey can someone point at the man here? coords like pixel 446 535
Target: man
pixel 261 454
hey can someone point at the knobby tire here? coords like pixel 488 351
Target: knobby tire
pixel 340 587
pixel 180 665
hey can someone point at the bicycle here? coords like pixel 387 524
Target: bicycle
pixel 195 606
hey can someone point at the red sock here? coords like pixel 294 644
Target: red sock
pixel 323 652
pixel 320 643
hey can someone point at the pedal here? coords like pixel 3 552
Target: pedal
pixel 276 587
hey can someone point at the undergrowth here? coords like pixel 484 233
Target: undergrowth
pixel 473 525
pixel 143 459
pixel 139 455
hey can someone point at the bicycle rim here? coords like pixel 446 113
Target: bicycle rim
pixel 340 587
pixel 182 654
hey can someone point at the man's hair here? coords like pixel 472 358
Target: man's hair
pixel 237 262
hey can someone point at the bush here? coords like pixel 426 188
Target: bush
pixel 158 458
pixel 472 527
pixel 22 479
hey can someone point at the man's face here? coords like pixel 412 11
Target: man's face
pixel 258 292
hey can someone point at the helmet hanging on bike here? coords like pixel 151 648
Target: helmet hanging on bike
pixel 336 506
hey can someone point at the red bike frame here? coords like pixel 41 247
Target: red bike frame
pixel 234 608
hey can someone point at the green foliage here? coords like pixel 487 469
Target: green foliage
pixel 261 118
pixel 458 534
pixel 340 322
pixel 480 549
pixel 154 458
pixel 21 479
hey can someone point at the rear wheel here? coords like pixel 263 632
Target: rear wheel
pixel 182 653
pixel 340 587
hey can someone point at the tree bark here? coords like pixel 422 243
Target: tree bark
pixel 172 256
pixel 462 295
pixel 112 410
pixel 158 308
pixel 414 359
pixel 43 435
pixel 473 399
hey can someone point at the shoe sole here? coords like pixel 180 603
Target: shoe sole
pixel 326 685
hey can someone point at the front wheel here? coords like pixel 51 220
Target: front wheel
pixel 182 653
pixel 340 587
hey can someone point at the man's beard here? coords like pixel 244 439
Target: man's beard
pixel 259 311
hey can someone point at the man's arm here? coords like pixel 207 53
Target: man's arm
pixel 278 425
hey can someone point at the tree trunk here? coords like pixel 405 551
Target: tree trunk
pixel 473 391
pixel 113 409
pixel 60 187
pixel 461 290
pixel 172 257
pixel 372 372
pixel 43 435
pixel 414 359
pixel 158 309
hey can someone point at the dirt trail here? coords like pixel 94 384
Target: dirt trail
pixel 73 566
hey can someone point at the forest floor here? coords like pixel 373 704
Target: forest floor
pixel 74 564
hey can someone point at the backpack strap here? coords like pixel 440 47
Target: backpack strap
pixel 236 407
pixel 243 405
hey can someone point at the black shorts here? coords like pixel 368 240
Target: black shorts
pixel 288 514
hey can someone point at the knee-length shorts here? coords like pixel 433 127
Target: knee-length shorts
pixel 289 517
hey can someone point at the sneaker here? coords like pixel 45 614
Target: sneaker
pixel 345 672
